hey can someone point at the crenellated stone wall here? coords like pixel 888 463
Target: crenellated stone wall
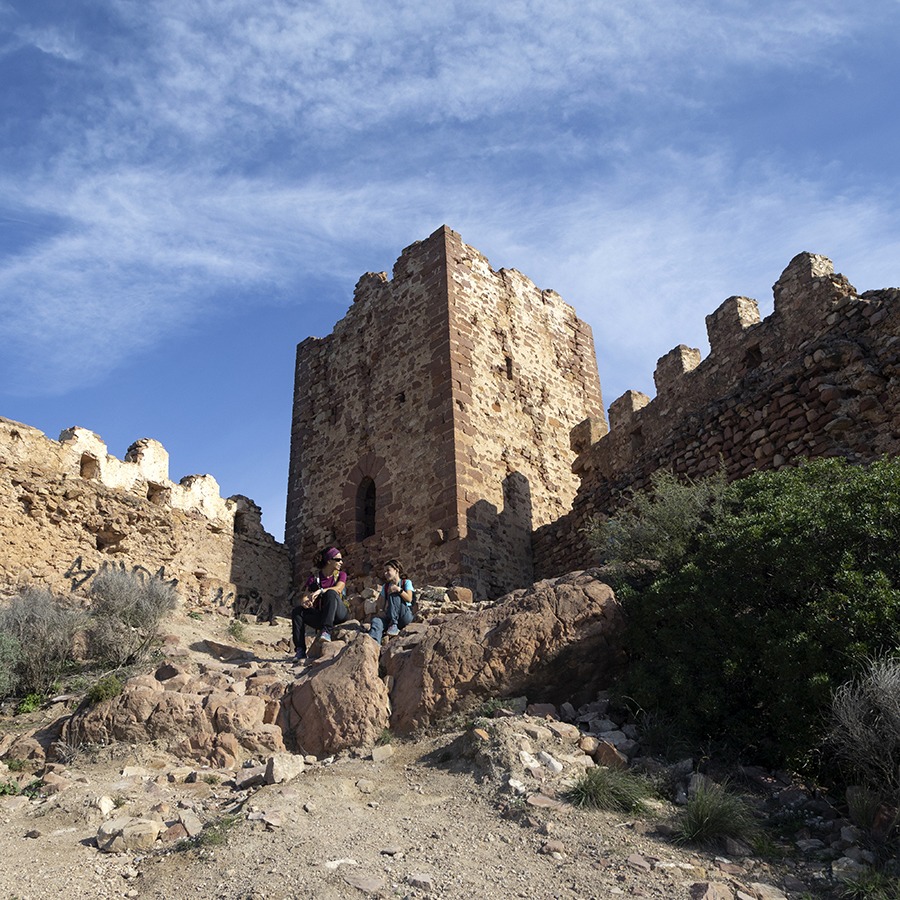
pixel 68 510
pixel 818 377
pixel 432 424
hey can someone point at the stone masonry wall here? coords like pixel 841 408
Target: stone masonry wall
pixel 69 510
pixel 372 407
pixel 818 377
pixel 524 373
pixel 450 389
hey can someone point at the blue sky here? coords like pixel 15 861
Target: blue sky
pixel 188 189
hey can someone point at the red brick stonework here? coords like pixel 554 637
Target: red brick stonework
pixel 433 423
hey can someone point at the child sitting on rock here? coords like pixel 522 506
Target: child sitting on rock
pixel 396 600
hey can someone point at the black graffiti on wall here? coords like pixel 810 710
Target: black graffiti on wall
pixel 220 597
pixel 79 574
pixel 249 603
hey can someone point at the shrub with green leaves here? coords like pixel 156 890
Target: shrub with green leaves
pixel 790 580
pixel 214 834
pixel 126 614
pixel 29 703
pixel 610 789
pixel 37 630
pixel 105 689
pixel 238 631
pixel 658 525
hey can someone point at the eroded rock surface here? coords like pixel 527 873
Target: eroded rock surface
pixel 554 638
pixel 339 703
pixel 213 716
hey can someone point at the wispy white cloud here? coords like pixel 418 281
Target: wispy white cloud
pixel 198 168
pixel 237 72
pixel 644 264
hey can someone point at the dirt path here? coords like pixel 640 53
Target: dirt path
pixel 389 826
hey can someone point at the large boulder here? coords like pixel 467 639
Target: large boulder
pixel 338 703
pixel 550 641
pixel 212 718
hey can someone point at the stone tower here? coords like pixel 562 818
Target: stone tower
pixel 433 423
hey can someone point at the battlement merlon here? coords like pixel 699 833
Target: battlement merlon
pixel 807 293
pixel 810 299
pixel 726 327
pixel 671 368
pixel 82 454
pixel 622 411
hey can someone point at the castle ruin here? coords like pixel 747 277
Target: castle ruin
pixel 454 415
pixel 454 418
pixel 68 510
pixel 818 377
pixel 433 422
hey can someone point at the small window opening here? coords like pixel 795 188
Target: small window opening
pixel 365 509
pixel 90 466
pixel 637 439
pixel 157 494
pixel 509 368
pixel 753 357
pixel 240 523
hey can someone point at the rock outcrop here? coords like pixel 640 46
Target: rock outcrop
pixel 549 641
pixel 554 641
pixel 214 717
pixel 338 704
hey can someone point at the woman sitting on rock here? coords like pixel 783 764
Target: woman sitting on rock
pixel 322 606
pixel 396 599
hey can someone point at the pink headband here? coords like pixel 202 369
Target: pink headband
pixel 332 552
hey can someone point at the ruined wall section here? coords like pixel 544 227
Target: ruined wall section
pixel 524 372
pixel 819 377
pixel 68 510
pixel 373 406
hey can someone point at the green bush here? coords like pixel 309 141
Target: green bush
pixel 9 661
pixel 790 580
pixel 29 703
pixel 105 689
pixel 712 814
pixel 609 789
pixel 658 525
pixel 237 631
pixel 126 614
pixel 214 834
pixel 32 790
pixel 38 631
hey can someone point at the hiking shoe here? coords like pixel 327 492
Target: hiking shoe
pixel 300 655
pixel 325 635
pixel 393 631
